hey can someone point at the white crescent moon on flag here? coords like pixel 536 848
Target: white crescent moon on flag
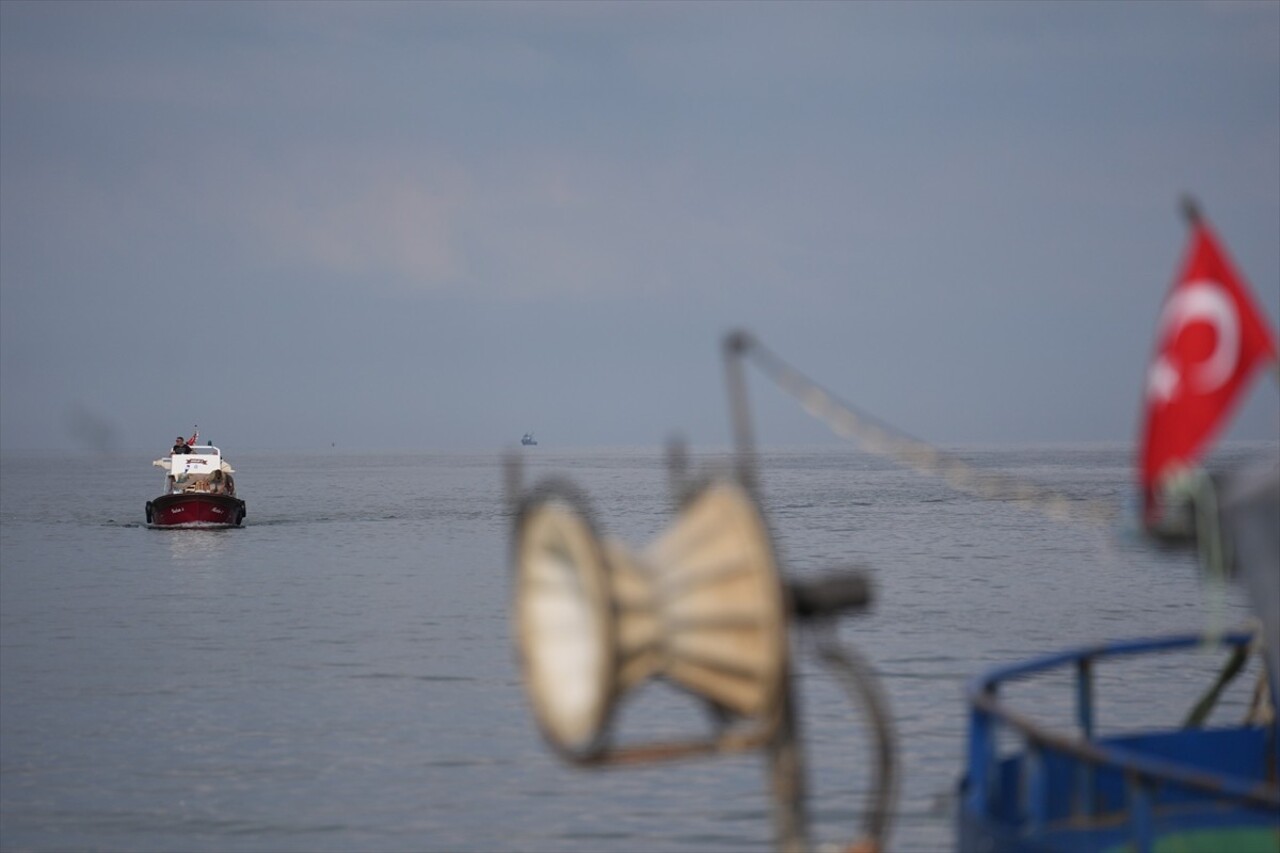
pixel 1204 301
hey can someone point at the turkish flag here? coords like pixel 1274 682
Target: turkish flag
pixel 1210 339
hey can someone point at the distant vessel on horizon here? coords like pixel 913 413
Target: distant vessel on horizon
pixel 527 439
pixel 199 491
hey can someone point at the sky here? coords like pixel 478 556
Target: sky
pixel 439 226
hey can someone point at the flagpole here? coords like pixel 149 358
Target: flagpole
pixel 1191 210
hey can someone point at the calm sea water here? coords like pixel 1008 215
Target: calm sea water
pixel 339 674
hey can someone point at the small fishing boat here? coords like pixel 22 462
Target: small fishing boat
pixel 528 440
pixel 199 491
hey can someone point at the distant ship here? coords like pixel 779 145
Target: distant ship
pixel 199 491
pixel 527 439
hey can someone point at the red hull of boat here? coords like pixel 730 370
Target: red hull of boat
pixel 195 510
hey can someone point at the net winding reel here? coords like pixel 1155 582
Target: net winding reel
pixel 704 607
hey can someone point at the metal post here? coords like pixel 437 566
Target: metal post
pixel 786 767
pixel 1085 773
pixel 983 773
pixel 736 345
pixel 1140 816
pixel 1084 696
pixel 1037 788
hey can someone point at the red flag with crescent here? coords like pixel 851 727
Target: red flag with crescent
pixel 1210 340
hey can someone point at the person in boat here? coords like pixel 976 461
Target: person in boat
pixel 186 445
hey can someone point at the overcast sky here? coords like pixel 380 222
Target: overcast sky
pixel 438 226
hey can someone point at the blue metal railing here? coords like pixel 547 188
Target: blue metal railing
pixel 1074 781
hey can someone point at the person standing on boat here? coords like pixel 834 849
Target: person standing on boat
pixel 184 445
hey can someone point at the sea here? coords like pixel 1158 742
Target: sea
pixel 340 673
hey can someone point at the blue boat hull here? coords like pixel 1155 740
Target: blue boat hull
pixel 1184 790
pixel 1179 819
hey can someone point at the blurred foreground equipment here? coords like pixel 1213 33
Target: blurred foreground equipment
pixel 705 608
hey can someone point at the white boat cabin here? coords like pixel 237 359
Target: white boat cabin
pixel 201 470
